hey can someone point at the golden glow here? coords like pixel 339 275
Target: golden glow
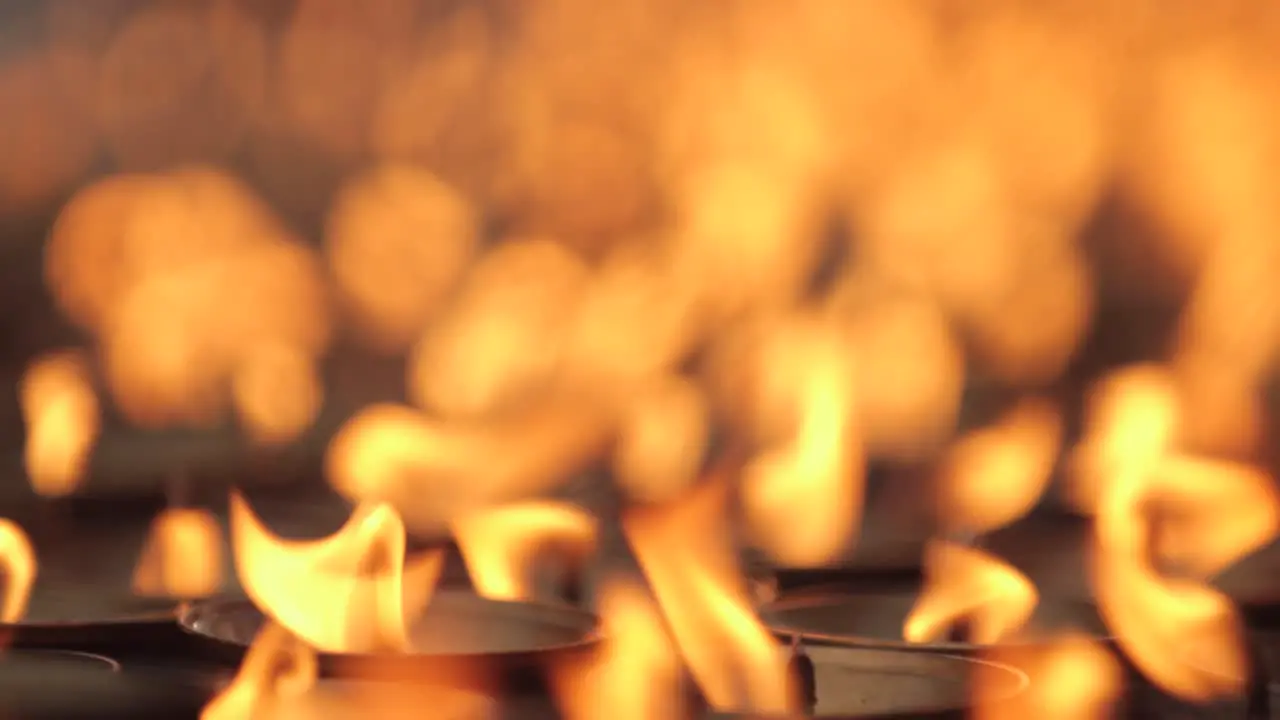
pixel 18 561
pixel 354 591
pixel 61 412
pixel 182 557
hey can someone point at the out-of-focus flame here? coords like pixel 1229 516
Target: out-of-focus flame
pixel 910 369
pixel 503 336
pixel 18 563
pixel 183 556
pixel 277 666
pixel 802 498
pixel 191 286
pixel 745 237
pixel 1153 616
pixel 1132 422
pixel 1211 513
pixel 664 434
pixel 276 392
pixel 683 548
pixel 1071 677
pixel 499 545
pixel 637 673
pixel 431 471
pixel 353 591
pixel 637 318
pixel 995 475
pixel 62 417
pixel 398 240
pixel 964 583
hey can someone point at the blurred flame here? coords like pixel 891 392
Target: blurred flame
pixel 1131 422
pixel 353 591
pixel 182 557
pixel 1071 677
pixel 1214 513
pixel 18 561
pixel 683 549
pixel 277 392
pixel 910 369
pixel 432 471
pixel 637 673
pixel 187 280
pixel 277 665
pixel 398 240
pixel 61 412
pixel 1153 616
pixel 499 545
pixel 663 438
pixel 963 583
pixel 995 475
pixel 802 499
pixel 502 337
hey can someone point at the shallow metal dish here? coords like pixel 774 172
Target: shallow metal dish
pixel 503 646
pixel 883 683
pixel 835 616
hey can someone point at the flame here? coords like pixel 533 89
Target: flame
pixel 910 369
pixel 1071 677
pixel 637 673
pixel 683 549
pixel 498 545
pixel 995 475
pixel 802 499
pixel 62 417
pixel 502 338
pixel 186 279
pixel 353 591
pixel 398 240
pixel 663 438
pixel 276 392
pixel 18 561
pixel 1214 513
pixel 182 557
pixel 277 665
pixel 1153 616
pixel 965 583
pixel 432 471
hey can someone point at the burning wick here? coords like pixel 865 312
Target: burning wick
pixel 800 667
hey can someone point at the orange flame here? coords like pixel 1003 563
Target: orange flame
pixel 803 500
pixel 965 583
pixel 1215 512
pixel 498 545
pixel 190 286
pixel 61 412
pixel 182 557
pixel 663 438
pixel 398 240
pixel 635 676
pixel 431 471
pixel 1072 677
pixel 502 337
pixel 682 547
pixel 1153 616
pixel 18 561
pixel 995 475
pixel 277 665
pixel 353 591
